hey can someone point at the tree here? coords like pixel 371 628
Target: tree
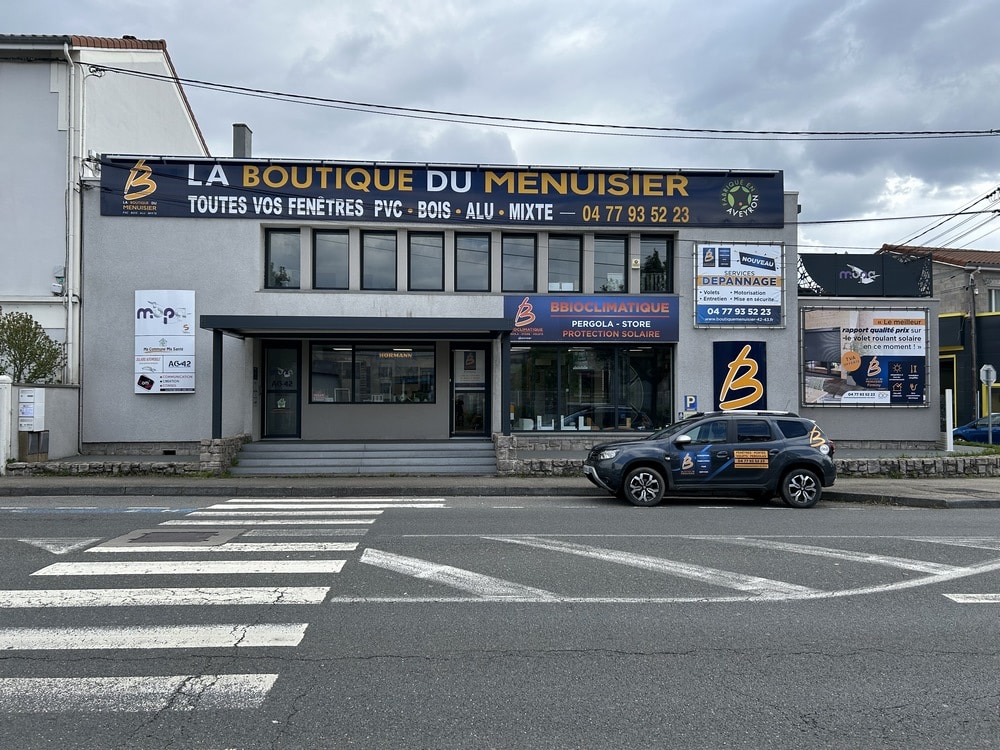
pixel 27 353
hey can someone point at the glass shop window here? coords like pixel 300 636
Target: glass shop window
pixel 372 374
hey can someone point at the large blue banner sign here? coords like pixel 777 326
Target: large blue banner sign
pixel 454 194
pixel 593 320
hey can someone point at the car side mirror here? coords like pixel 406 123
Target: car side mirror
pixel 682 440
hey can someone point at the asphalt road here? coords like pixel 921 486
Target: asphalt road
pixel 495 622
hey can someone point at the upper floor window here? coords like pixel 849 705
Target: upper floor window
pixel 282 261
pixel 565 263
pixel 657 260
pixel 378 260
pixel 426 262
pixel 331 260
pixel 517 253
pixel 472 262
pixel 994 300
pixel 610 254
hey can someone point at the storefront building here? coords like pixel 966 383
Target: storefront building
pixel 328 301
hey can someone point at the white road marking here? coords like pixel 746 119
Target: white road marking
pixel 835 554
pixel 240 547
pixel 277 522
pixel 481 585
pixel 165 636
pixel 764 587
pixel 322 506
pixel 980 542
pixel 166 597
pixel 975 598
pixel 59 546
pixel 190 567
pixel 134 694
pixel 272 533
pixel 235 514
pixel 337 499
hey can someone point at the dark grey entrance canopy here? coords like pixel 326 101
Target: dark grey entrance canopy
pixel 310 326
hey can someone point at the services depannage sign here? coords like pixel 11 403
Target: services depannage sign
pixel 164 341
pixel 739 285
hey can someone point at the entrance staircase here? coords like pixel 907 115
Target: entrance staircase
pixel 278 458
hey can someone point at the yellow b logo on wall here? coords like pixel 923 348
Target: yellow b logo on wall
pixel 140 182
pixel 741 376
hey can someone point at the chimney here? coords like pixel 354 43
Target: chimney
pixel 242 141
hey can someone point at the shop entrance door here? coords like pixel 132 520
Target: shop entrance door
pixel 470 401
pixel 282 390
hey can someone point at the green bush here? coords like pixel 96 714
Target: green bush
pixel 27 353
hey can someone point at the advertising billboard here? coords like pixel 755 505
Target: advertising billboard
pixel 164 341
pixel 738 285
pixel 452 194
pixel 869 357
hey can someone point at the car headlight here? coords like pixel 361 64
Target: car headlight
pixel 607 455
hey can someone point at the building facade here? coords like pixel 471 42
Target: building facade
pixel 329 301
pixel 76 96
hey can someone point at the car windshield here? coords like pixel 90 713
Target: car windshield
pixel 676 428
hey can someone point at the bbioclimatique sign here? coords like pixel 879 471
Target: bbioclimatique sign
pixel 453 194
pixel 592 320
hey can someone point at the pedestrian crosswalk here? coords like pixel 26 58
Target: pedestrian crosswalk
pixel 286 538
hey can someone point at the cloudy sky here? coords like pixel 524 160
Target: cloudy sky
pixel 782 66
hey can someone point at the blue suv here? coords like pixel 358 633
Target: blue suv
pixel 757 453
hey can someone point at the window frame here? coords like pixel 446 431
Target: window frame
pixel 366 248
pixel 623 239
pixel 459 262
pixel 505 288
pixel 346 260
pixel 555 240
pixel 296 279
pixel 439 262
pixel 667 274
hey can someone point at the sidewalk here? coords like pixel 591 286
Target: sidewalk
pixel 924 493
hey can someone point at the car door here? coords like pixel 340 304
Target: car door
pixel 703 462
pixel 754 453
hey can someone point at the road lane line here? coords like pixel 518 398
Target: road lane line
pixel 276 522
pixel 320 506
pixel 336 499
pixel 765 587
pixel 920 566
pixel 153 637
pixel 134 694
pixel 241 547
pixel 283 513
pixel 465 580
pixel 975 598
pixel 166 597
pixel 190 567
pixel 975 542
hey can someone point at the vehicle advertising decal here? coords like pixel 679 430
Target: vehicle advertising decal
pixel 560 318
pixel 864 357
pixel 818 440
pixel 164 341
pixel 738 285
pixel 452 194
pixel 744 459
pixel 740 374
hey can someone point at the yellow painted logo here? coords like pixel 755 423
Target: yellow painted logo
pixel 140 182
pixel 741 376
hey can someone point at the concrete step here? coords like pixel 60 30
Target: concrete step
pixel 294 458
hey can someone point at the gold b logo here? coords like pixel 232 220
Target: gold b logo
pixel 740 381
pixel 140 182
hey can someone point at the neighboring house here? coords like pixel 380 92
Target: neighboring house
pixel 65 102
pixel 967 283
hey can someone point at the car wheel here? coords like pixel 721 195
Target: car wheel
pixel 801 488
pixel 644 487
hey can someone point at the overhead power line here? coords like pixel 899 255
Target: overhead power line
pixel 567 126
